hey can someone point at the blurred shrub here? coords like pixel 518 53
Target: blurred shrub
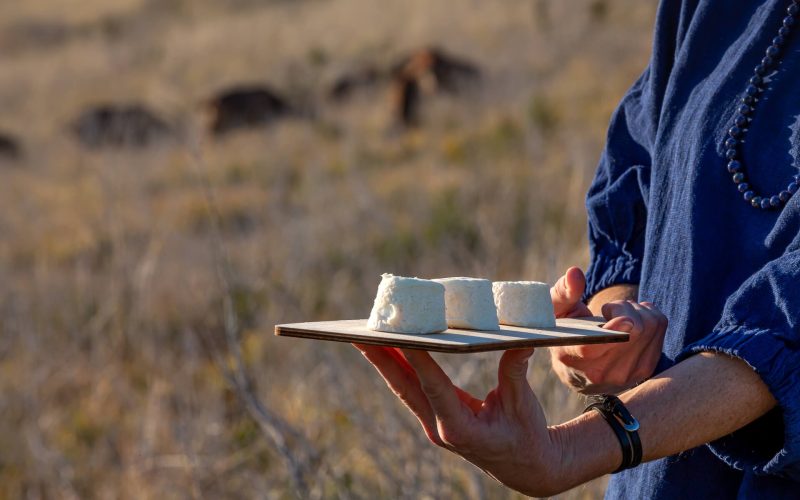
pixel 449 223
pixel 543 115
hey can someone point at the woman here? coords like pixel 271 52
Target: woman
pixel 692 209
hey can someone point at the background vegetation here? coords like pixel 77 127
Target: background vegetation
pixel 140 288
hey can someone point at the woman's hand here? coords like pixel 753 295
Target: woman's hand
pixel 607 368
pixel 506 434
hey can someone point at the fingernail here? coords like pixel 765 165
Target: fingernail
pixel 626 325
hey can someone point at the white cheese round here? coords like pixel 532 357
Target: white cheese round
pixel 408 305
pixel 469 303
pixel 524 303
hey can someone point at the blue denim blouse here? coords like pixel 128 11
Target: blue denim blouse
pixel 664 213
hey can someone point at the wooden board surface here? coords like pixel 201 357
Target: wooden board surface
pixel 568 331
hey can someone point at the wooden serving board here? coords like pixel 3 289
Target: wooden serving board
pixel 568 331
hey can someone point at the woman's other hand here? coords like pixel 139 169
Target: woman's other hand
pixel 607 368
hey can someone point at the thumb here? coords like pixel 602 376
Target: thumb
pixel 567 291
pixel 512 374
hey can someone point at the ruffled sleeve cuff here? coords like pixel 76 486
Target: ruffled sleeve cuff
pixel 771 444
pixel 607 269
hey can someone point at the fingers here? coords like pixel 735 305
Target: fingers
pixel 620 324
pixel 634 318
pixel 620 312
pixel 438 389
pixel 512 374
pixel 402 380
pixel 612 367
pixel 648 360
pixel 662 320
pixel 647 326
pixel 651 318
pixel 577 356
pixel 567 291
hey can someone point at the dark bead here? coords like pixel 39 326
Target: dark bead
pixel 741 120
pixel 738 177
pixel 747 99
pixel 793 9
pixel 765 204
pixel 730 154
pixel 730 142
pixel 734 131
pixel 761 69
pixel 773 50
pixel 784 31
pixel 767 61
pixel 796 179
pixel 792 188
pixel 752 90
pixel 743 187
pixel 734 166
pixel 779 40
pixel 756 80
pixel 744 109
pixel 788 21
pixel 756 201
pixel 749 195
pixel 784 196
pixel 775 201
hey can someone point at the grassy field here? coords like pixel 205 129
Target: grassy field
pixel 139 288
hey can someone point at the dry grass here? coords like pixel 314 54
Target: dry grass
pixel 112 313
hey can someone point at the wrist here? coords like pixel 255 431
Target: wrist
pixel 544 473
pixel 624 425
pixel 589 449
pixel 562 439
pixel 538 468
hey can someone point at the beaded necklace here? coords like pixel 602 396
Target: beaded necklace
pixel 744 114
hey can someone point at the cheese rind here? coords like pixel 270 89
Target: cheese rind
pixel 469 303
pixel 524 303
pixel 408 305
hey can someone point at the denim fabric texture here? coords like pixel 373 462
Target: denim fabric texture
pixel 664 213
